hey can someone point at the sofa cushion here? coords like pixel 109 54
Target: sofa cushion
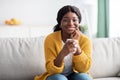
pixel 109 78
pixel 21 58
pixel 106 57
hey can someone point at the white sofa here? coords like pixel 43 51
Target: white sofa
pixel 23 58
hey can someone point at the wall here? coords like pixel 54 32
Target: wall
pixel 37 12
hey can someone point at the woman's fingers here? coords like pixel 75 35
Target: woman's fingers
pixel 72 45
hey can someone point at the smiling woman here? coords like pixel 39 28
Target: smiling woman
pixel 67 49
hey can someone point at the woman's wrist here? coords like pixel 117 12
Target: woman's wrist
pixel 78 52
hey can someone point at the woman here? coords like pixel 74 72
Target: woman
pixel 67 50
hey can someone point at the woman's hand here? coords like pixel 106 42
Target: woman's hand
pixel 69 47
pixel 72 44
pixel 76 34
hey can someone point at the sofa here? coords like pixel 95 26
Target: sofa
pixel 23 58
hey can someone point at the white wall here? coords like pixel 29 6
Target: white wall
pixel 38 12
pixel 28 11
pixel 31 11
pixel 114 18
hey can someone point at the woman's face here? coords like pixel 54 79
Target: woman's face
pixel 69 23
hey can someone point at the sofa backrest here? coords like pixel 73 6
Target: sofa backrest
pixel 106 57
pixel 21 58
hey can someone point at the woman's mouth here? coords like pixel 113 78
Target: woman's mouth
pixel 71 28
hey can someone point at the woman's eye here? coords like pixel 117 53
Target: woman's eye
pixel 65 20
pixel 75 20
pixel 68 20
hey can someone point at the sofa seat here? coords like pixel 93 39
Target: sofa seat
pixel 110 78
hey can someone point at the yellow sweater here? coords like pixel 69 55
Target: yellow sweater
pixel 53 45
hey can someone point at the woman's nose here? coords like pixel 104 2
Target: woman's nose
pixel 70 22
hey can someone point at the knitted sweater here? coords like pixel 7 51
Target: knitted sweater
pixel 53 45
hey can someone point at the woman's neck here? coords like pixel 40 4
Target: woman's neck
pixel 64 36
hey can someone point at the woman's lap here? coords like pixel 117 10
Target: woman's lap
pixel 73 76
pixel 79 76
pixel 57 77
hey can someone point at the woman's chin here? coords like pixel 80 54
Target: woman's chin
pixel 70 32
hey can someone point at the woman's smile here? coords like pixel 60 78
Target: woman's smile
pixel 70 28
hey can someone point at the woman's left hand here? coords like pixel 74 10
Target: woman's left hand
pixel 76 34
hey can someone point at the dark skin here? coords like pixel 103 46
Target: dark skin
pixel 70 30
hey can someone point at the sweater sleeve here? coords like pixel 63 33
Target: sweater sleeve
pixel 82 62
pixel 50 55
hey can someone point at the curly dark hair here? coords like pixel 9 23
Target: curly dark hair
pixel 63 11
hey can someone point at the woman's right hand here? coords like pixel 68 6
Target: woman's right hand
pixel 69 47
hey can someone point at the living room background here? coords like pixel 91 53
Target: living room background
pixel 42 14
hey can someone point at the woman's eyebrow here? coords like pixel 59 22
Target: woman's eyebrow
pixel 68 17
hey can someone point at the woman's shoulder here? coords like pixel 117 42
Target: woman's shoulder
pixel 84 38
pixel 54 35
